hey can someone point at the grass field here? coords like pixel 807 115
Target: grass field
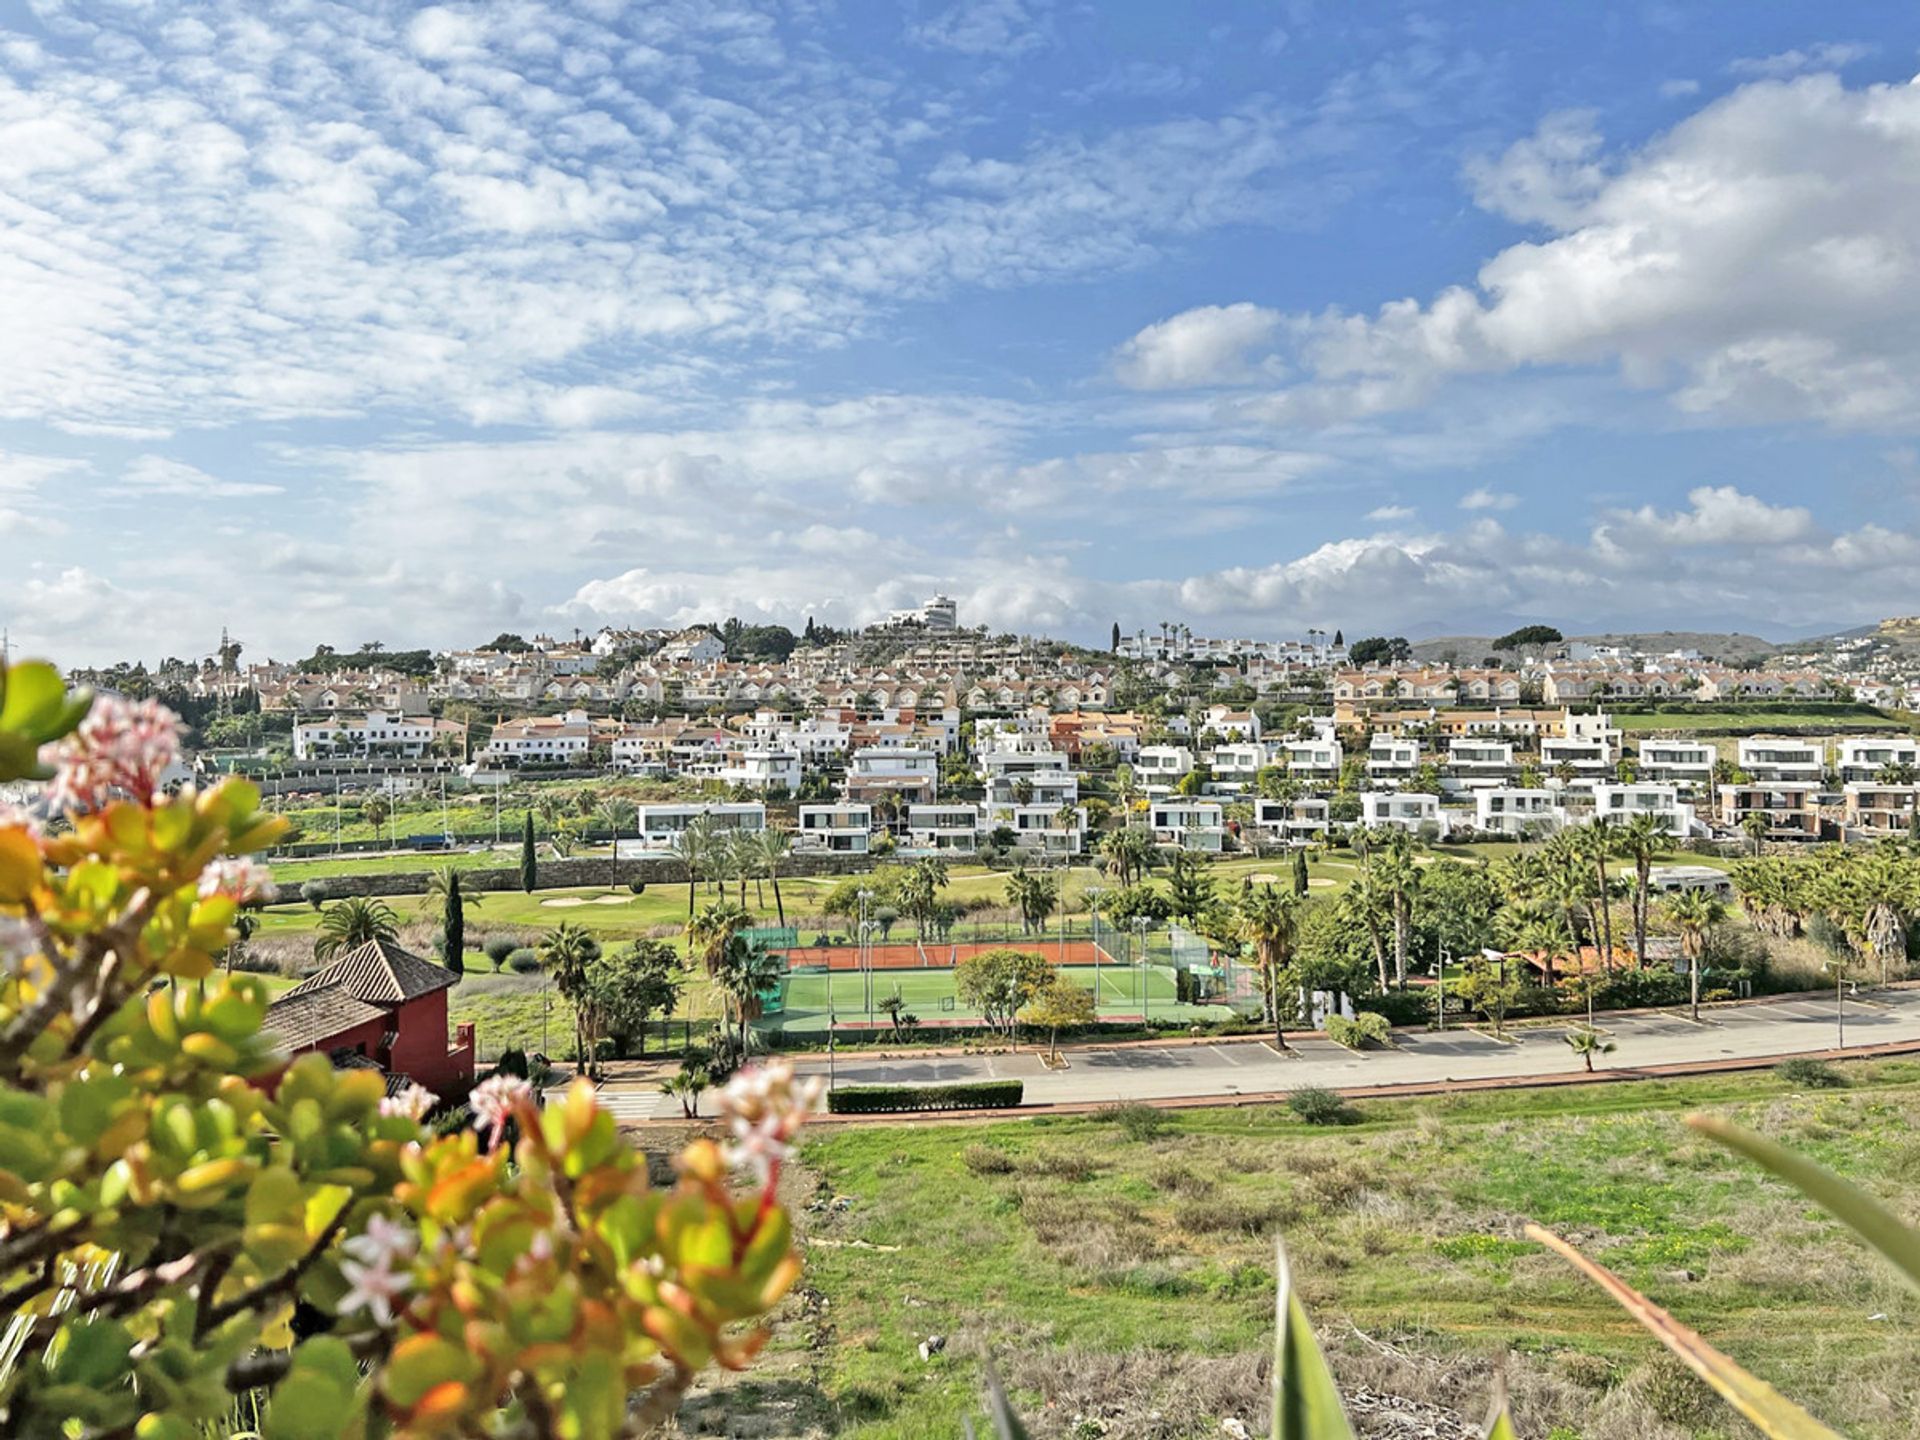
pixel 1852 717
pixel 1119 1268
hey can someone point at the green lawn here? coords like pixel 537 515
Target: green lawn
pixel 1120 1274
pixel 930 995
pixel 1853 717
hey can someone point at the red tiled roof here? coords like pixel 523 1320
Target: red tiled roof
pixel 379 973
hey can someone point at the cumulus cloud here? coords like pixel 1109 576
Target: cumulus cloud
pixel 1205 346
pixel 1483 498
pixel 1833 55
pixel 1390 514
pixel 1756 262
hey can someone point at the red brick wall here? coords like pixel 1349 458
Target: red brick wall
pixel 424 1047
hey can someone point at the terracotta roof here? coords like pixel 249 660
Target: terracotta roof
pixel 305 1017
pixel 379 973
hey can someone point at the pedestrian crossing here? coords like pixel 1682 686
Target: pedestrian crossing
pixel 626 1104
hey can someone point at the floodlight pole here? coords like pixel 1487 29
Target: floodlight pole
pixel 1140 929
pixel 1093 934
pixel 1440 982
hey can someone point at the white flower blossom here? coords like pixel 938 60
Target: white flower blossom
pixel 239 879
pixel 494 1102
pixel 383 1242
pixel 765 1106
pixel 373 1288
pixel 122 746
pixel 413 1102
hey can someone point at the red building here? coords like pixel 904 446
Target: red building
pixel 379 1006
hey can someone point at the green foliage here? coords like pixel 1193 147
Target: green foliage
pixel 1319 1107
pixel 1364 1029
pixel 35 710
pixel 974 1095
pixel 999 984
pixel 348 924
pixel 1810 1074
pixel 1136 1121
pixel 1528 635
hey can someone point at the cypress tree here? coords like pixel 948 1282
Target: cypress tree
pixel 1300 872
pixel 1115 647
pixel 529 866
pixel 453 927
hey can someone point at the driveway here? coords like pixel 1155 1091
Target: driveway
pixel 1776 1029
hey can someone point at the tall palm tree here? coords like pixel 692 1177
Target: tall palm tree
pixel 1756 825
pixel 710 930
pixel 1363 906
pixel 1695 913
pixel 1269 919
pixel 348 924
pixel 615 814
pixel 744 974
pixel 693 848
pixel 1130 852
pixel 567 952
pixel 1641 840
pixel 772 846
pixel 1401 878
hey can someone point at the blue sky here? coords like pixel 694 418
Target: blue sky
pixel 358 321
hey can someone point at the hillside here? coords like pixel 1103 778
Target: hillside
pixel 1717 645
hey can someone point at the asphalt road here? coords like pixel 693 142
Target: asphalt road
pixel 1778 1028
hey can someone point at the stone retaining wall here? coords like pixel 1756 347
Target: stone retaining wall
pixel 556 875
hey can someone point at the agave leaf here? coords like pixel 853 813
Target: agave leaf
pixel 1306 1402
pixel 1767 1409
pixel 1499 1422
pixel 1860 1212
pixel 1006 1424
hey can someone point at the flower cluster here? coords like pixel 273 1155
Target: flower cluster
pixel 413 1102
pixel 765 1106
pixel 494 1102
pixel 373 1284
pixel 123 746
pixel 240 879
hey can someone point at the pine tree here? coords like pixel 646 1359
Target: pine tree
pixel 1338 639
pixel 453 927
pixel 529 865
pixel 1300 872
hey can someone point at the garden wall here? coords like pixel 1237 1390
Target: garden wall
pixel 558 874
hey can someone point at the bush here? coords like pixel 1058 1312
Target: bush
pixel 1810 1074
pixel 1401 1007
pixel 1366 1028
pixel 987 1160
pixel 512 1062
pixel 637 887
pixel 524 961
pixel 878 1099
pixel 1319 1107
pixel 498 948
pixel 314 892
pixel 1140 1122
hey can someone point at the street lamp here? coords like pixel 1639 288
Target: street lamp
pixel 1140 930
pixel 865 955
pixel 1093 935
pixel 1440 984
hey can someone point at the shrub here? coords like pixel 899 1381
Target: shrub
pixel 498 948
pixel 1810 1074
pixel 512 1062
pixel 524 961
pixel 1366 1028
pixel 1140 1122
pixel 987 1160
pixel 1319 1107
pixel 637 887
pixel 1401 1007
pixel 314 892
pixel 879 1099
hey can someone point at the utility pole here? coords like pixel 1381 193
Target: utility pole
pixel 1093 934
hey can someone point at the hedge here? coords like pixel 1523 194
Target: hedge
pixel 975 1095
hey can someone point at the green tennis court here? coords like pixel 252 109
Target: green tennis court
pixel 930 993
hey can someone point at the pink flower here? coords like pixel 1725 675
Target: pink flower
pixel 765 1106
pixel 240 880
pixel 494 1102
pixel 383 1242
pixel 373 1282
pixel 122 746
pixel 413 1102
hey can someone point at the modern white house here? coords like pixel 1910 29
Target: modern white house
pixel 1521 812
pixel 764 770
pixel 1687 764
pixel 1391 759
pixel 1671 879
pixel 1787 809
pixel 1409 809
pixel 1770 759
pixel 875 771
pixel 376 735
pixel 943 829
pixel 1616 804
pixel 1315 759
pixel 1187 824
pixel 1473 761
pixel 1862 758
pixel 836 829
pixel 1874 811
pixel 660 826
pixel 1037 827
pixel 1238 763
pixel 1162 766
pixel 1586 758
pixel 1051 788
pixel 1295 822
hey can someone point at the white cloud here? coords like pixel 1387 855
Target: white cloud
pixel 1833 55
pixel 1717 515
pixel 1678 89
pixel 160 475
pixel 1756 261
pixel 1484 498
pixel 1204 346
pixel 985 27
pixel 1390 514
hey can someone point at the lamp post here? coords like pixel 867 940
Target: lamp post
pixel 1440 988
pixel 1093 936
pixel 1140 930
pixel 865 955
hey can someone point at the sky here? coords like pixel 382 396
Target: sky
pixel 350 322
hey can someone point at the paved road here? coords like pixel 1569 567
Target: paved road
pixel 1249 1067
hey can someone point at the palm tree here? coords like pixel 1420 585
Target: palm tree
pixel 1587 1044
pixel 743 974
pixel 743 860
pixel 693 847
pixel 549 807
pixel 1640 840
pixel 920 891
pixel 615 813
pixel 1362 905
pixel 1401 878
pixel 1756 825
pixel 709 932
pixel 1695 913
pixel 566 952
pixel 772 847
pixel 1130 852
pixel 1596 842
pixel 1034 895
pixel 348 924
pixel 1269 920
